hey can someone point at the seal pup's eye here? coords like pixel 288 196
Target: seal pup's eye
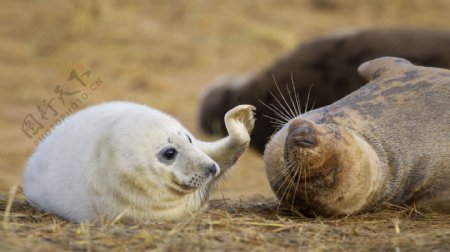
pixel 168 155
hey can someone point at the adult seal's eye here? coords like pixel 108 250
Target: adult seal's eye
pixel 168 155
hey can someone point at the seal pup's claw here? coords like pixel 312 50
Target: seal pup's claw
pixel 240 122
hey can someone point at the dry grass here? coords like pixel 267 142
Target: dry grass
pixel 163 53
pixel 256 224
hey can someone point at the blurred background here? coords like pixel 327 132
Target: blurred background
pixel 57 57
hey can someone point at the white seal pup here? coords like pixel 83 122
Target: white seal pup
pixel 122 158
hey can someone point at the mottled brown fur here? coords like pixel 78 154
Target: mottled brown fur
pixel 328 63
pixel 389 141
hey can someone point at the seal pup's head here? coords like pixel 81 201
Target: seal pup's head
pixel 183 163
pixel 321 169
pixel 150 167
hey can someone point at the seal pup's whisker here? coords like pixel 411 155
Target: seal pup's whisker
pixel 197 197
pixel 190 200
pixel 217 185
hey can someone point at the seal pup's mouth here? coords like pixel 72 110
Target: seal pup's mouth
pixel 179 187
pixel 198 179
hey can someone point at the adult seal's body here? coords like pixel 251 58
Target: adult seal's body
pixel 126 159
pixel 389 141
pixel 328 63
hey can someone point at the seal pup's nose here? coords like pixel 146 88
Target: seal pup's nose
pixel 302 133
pixel 211 170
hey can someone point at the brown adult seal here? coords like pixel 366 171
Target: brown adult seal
pixel 328 62
pixel 389 141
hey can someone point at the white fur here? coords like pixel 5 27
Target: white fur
pixel 105 161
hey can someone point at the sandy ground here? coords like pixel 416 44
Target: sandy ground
pixel 161 53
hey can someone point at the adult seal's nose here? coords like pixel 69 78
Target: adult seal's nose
pixel 302 134
pixel 211 170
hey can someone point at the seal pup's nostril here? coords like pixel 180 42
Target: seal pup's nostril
pixel 211 170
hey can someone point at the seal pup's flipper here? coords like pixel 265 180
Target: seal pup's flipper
pixel 239 122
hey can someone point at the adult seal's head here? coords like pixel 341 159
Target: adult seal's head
pixel 322 169
pixel 389 141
